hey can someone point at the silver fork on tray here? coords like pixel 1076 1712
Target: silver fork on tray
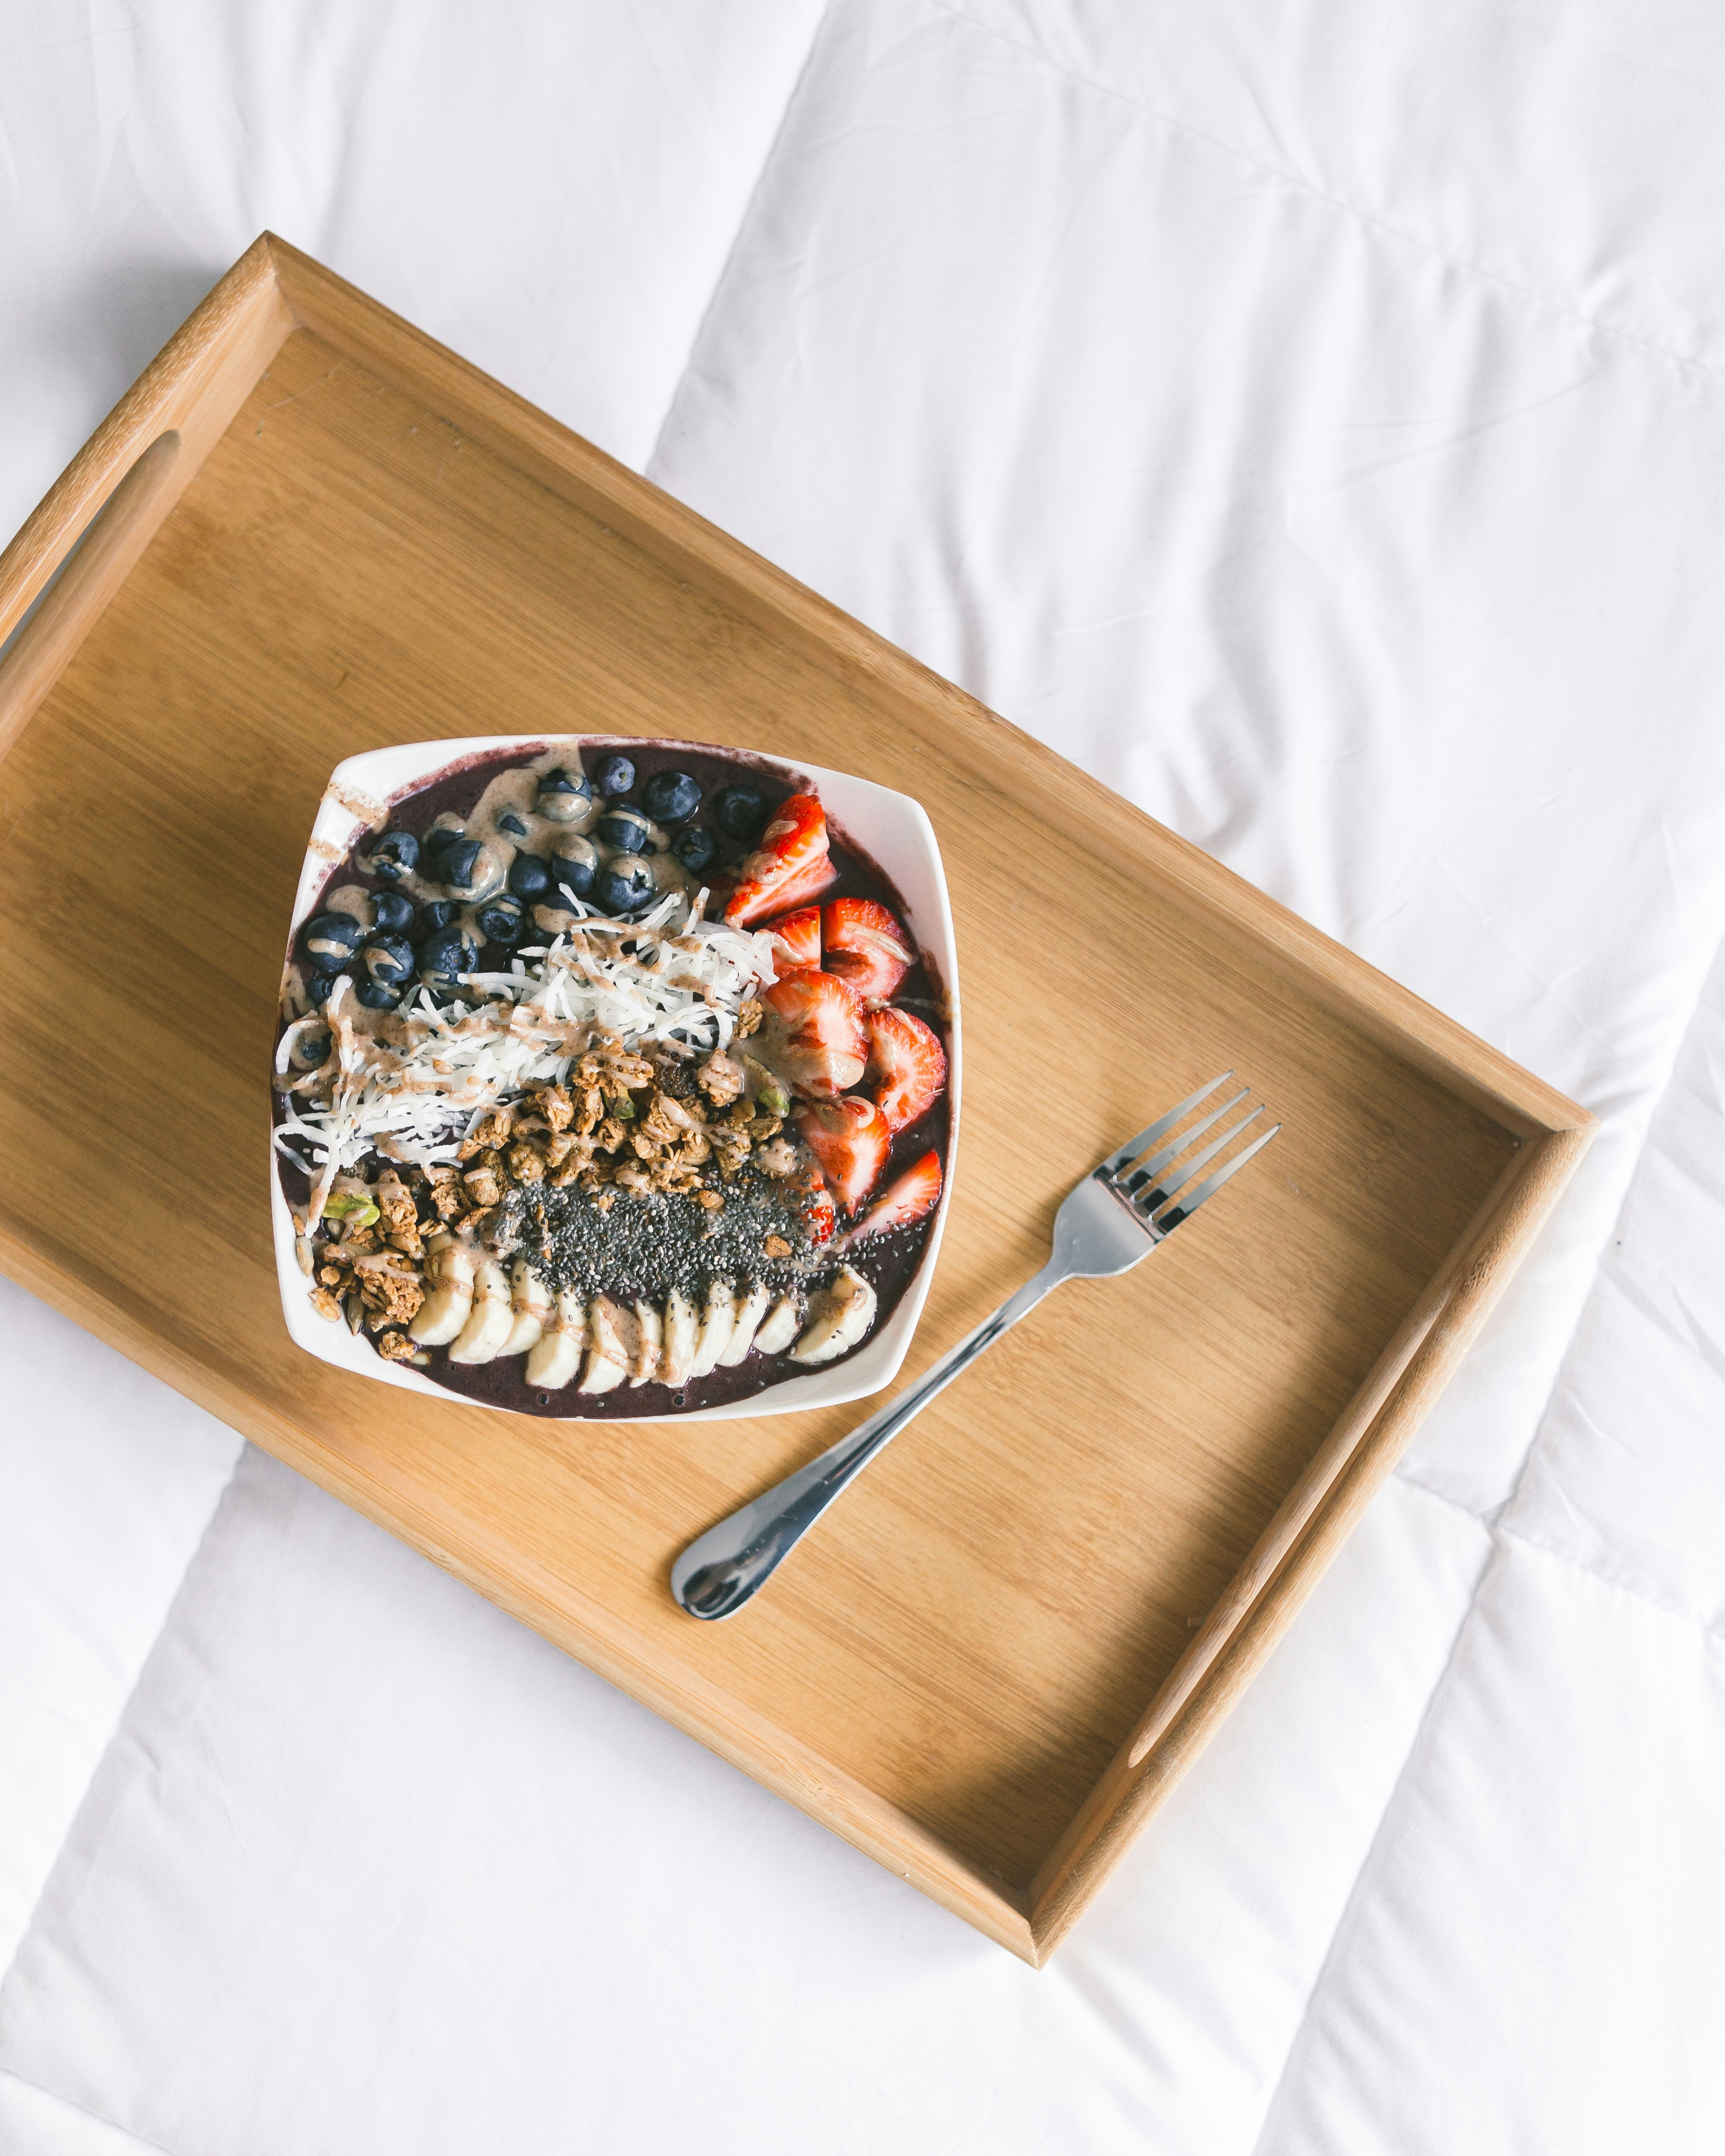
pixel 1117 1214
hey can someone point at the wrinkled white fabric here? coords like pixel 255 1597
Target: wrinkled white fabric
pixel 1310 420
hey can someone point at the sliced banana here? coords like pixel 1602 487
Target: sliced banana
pixel 491 1319
pixel 718 1322
pixel 751 1309
pixel 529 1299
pixel 647 1356
pixel 614 1339
pixel 779 1327
pixel 840 1315
pixel 449 1301
pixel 682 1330
pixel 556 1356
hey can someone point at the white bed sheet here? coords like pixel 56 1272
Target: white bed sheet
pixel 1313 422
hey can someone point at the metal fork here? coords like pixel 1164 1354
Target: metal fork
pixel 1117 1214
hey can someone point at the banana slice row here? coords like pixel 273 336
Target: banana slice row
pixel 481 1313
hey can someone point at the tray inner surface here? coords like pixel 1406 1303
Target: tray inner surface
pixel 977 1627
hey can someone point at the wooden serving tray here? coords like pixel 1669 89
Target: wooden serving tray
pixel 308 530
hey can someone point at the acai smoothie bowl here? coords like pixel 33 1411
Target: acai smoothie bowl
pixel 614 1078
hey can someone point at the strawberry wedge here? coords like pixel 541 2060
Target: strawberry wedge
pixel 796 940
pixel 790 866
pixel 850 1140
pixel 907 1064
pixel 916 1193
pixel 814 1034
pixel 866 947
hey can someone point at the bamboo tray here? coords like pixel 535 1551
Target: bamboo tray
pixel 307 530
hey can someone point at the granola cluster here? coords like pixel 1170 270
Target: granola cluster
pixel 624 1121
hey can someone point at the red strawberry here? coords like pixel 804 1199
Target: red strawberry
pixel 850 1140
pixel 814 1036
pixel 909 1199
pixel 907 1064
pixel 820 1214
pixel 799 933
pixel 775 875
pixel 867 946
pixel 808 883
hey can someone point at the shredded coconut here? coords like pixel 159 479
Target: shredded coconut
pixel 409 1088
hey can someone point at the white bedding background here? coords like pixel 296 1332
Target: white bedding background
pixel 1310 418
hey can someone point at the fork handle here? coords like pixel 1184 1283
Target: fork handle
pixel 722 1568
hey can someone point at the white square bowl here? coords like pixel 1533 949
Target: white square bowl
pixel 890 829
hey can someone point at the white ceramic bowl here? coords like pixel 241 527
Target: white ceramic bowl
pixel 891 828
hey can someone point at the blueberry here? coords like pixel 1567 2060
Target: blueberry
pixel 391 856
pixel 573 867
pixel 528 875
pixel 626 828
pixel 561 795
pixel 436 914
pixel 392 910
pixel 511 821
pixel 387 960
pixel 318 987
pixel 670 797
pixel 697 851
pixel 501 921
pixel 310 1051
pixel 375 997
pixel 461 864
pixel 440 836
pixel 741 812
pixel 451 952
pixel 615 775
pixel 330 940
pixel 625 884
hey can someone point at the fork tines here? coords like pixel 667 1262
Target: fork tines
pixel 1148 1180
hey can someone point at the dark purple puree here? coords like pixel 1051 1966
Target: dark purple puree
pixel 888 1262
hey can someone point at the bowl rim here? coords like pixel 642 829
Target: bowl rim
pixel 363 785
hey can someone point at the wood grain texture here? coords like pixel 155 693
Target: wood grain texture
pixel 993 1658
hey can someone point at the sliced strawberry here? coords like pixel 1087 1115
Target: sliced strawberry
pixel 850 1140
pixel 821 1215
pixel 915 1193
pixel 867 946
pixel 796 940
pixel 774 875
pixel 808 883
pixel 907 1064
pixel 814 1036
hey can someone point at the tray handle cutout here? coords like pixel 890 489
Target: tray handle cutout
pixel 89 574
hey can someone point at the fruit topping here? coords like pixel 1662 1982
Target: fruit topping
pixel 914 1193
pixel 625 828
pixel 792 848
pixel 817 1042
pixel 436 914
pixel 572 869
pixel 907 1064
pixel 467 869
pixel 670 797
pixel 391 856
pixel 840 1316
pixel 697 851
pixel 562 797
pixel 796 940
pixel 388 960
pixel 511 823
pixel 741 812
pixel 501 921
pixel 392 911
pixel 445 958
pixel 850 1140
pixel 625 884
pixel 614 775
pixel 529 877
pixel 866 947
pixel 330 940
